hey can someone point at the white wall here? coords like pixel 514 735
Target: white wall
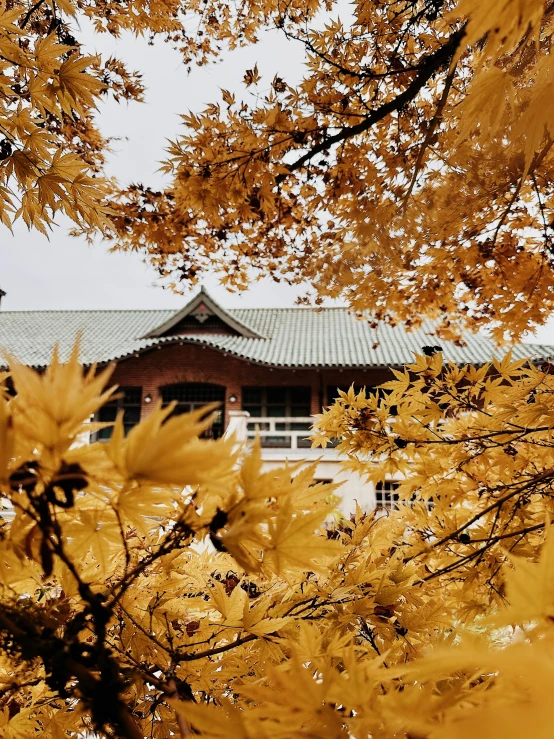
pixel 353 489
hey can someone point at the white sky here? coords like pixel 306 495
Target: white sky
pixel 65 272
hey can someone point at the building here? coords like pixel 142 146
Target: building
pixel 269 369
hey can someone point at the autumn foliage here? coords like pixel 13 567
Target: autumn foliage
pixel 162 584
pixel 407 173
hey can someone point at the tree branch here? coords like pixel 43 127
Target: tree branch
pixel 434 62
pixel 429 135
pixel 29 13
pixel 216 650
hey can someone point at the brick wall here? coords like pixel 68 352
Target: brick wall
pixel 193 363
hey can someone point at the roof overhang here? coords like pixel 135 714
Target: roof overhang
pixel 167 341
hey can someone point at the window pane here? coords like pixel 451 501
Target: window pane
pixel 275 411
pixel 129 402
pixel 131 415
pixel 107 414
pixel 181 408
pixel 386 495
pixel 193 395
pixel 251 396
pixel 133 395
pixel 254 410
pixel 193 392
pixel 276 395
pixel 300 396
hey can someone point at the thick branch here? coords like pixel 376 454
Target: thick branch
pixel 433 62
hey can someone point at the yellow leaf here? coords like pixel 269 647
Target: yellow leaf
pixel 294 543
pixel 530 587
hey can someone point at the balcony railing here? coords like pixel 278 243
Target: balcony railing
pixel 281 433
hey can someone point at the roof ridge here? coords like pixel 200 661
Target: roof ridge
pixel 87 310
pixel 298 307
pixel 318 309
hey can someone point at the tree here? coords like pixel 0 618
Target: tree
pixel 111 611
pixel 116 617
pixel 409 173
pixel 51 152
pixel 163 585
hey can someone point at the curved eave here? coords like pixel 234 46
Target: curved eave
pixel 537 353
pixel 169 341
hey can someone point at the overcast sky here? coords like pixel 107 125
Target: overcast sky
pixel 65 272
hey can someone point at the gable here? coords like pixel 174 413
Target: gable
pixel 211 324
pixel 202 316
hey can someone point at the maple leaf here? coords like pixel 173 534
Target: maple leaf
pixel 169 451
pixel 217 724
pixel 77 88
pixel 293 543
pixel 409 173
pixel 529 587
pixel 252 76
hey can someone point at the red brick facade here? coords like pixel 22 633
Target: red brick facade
pixel 192 363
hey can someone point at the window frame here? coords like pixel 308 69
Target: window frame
pixel 394 503
pixel 279 441
pixel 120 402
pixel 381 492
pixel 288 405
pixel 186 406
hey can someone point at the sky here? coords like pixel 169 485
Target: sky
pixel 61 272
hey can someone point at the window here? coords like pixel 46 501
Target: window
pixel 332 394
pixel 279 402
pixel 129 402
pixel 333 391
pixel 386 497
pixel 193 395
pixel 283 402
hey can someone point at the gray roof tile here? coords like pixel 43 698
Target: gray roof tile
pixel 294 337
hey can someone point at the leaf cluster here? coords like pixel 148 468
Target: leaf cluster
pixel 408 173
pixel 163 584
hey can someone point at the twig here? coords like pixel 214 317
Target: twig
pixel 216 650
pixel 29 13
pixel 182 723
pixel 429 135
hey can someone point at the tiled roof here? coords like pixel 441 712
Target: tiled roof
pixel 292 337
